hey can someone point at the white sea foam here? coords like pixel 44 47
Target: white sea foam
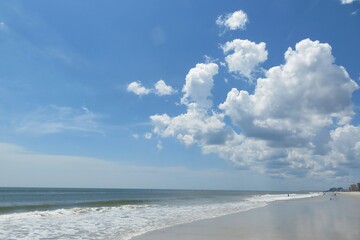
pixel 266 198
pixel 122 222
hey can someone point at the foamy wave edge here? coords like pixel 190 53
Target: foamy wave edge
pixel 253 202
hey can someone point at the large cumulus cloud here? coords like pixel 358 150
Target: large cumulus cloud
pixel 295 100
pixel 197 125
pixel 345 146
pixel 297 122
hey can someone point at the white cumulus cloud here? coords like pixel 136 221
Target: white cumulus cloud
pixel 197 125
pixel 148 135
pixel 137 88
pixel 198 84
pixel 345 146
pixel 348 1
pixel 162 89
pixel 244 56
pixel 296 99
pixel 233 21
pixel 291 108
pixel 295 123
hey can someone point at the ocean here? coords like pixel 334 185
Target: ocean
pixel 120 214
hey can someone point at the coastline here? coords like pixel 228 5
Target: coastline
pixel 312 218
pixel 353 194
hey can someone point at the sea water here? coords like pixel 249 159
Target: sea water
pixel 48 213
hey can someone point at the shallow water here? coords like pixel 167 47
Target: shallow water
pixel 34 213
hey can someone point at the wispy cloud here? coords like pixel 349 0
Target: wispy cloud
pixel 19 165
pixel 158 36
pixel 49 48
pixel 354 13
pixel 55 119
pixel 3 26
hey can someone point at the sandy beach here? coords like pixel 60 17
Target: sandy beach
pixel 315 218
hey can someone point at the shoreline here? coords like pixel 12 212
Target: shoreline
pixel 311 218
pixel 355 194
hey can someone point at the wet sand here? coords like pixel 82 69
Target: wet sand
pixel 312 219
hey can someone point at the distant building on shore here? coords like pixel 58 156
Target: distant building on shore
pixel 354 187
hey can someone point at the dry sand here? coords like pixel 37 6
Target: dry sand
pixel 314 218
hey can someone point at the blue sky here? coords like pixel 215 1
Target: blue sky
pixel 180 94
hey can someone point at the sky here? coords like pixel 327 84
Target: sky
pixel 233 94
